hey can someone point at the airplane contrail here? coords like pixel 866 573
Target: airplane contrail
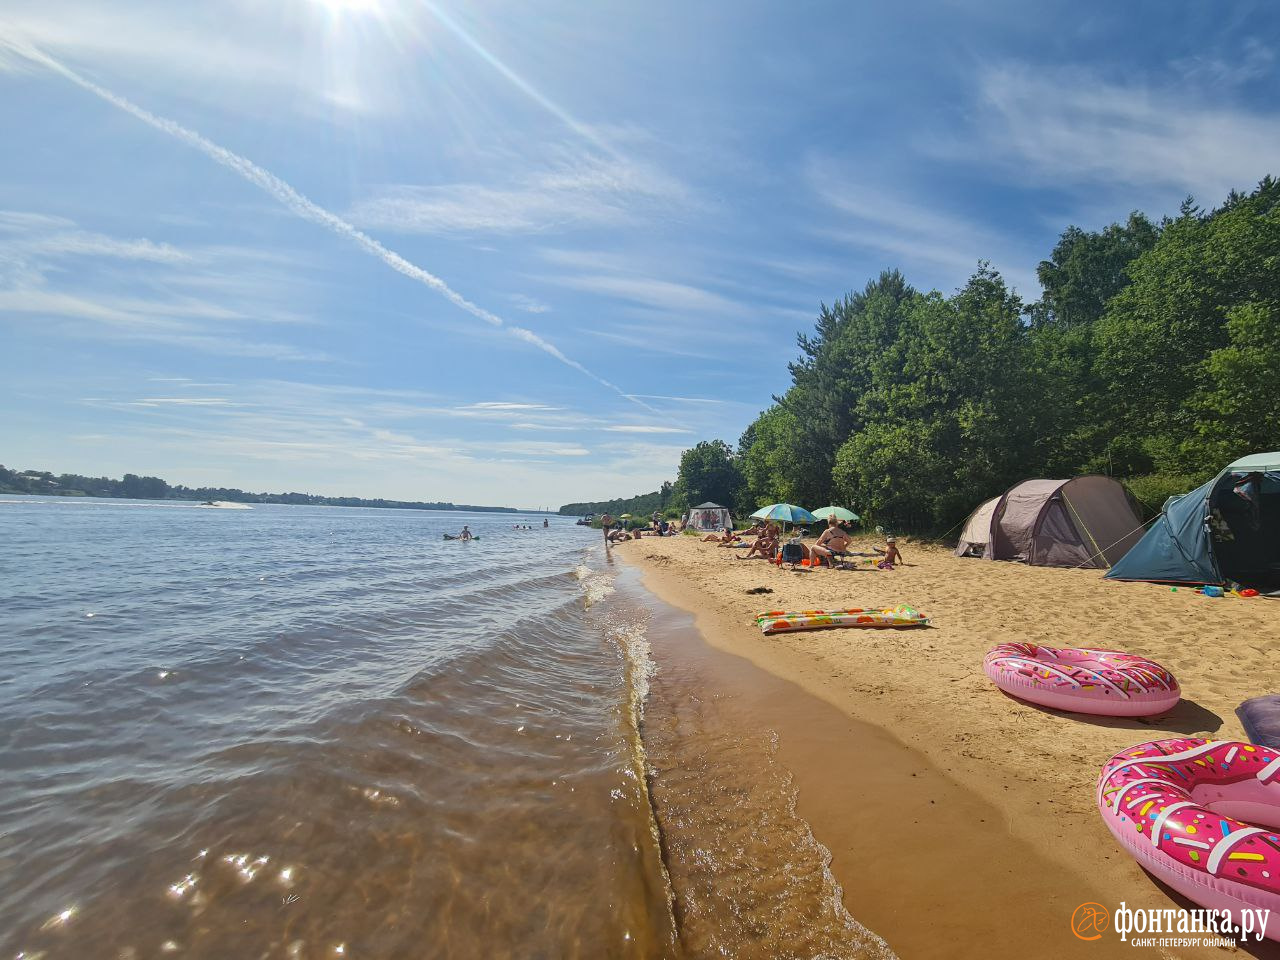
pixel 303 206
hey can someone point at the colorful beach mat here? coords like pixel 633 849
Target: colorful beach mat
pixel 786 621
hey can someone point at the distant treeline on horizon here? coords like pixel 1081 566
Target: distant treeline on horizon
pixel 134 487
pixel 1152 356
pixel 642 505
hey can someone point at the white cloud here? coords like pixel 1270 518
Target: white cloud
pixel 1076 126
pixel 645 338
pixel 38 235
pixel 624 278
pixel 96 245
pixel 183 402
pixel 657 396
pixel 177 322
pixel 583 190
pixel 638 428
pixel 1254 62
pixel 504 405
pixel 666 295
pixel 875 218
pixel 529 304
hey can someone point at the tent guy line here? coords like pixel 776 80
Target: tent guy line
pixel 304 207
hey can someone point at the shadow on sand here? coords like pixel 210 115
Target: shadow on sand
pixel 1186 718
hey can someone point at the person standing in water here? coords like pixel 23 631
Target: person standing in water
pixel 606 521
pixel 545 523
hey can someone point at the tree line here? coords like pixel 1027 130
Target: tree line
pixel 134 487
pixel 641 505
pixel 1153 355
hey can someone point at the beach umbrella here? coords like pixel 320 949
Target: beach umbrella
pixel 786 512
pixel 840 513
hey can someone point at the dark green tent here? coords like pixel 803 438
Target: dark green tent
pixel 1226 531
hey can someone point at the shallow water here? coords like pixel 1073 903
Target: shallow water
pixel 317 732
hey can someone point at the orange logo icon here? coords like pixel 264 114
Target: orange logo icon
pixel 1090 920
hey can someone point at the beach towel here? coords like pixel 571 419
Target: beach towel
pixel 1261 719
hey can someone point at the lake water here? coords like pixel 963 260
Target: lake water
pixel 322 732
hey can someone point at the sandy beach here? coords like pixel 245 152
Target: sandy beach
pixel 1016 781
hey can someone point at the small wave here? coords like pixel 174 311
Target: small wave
pixel 596 584
pixel 634 642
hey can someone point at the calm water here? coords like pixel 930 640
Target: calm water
pixel 316 732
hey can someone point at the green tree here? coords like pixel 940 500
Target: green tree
pixel 1158 331
pixel 1235 410
pixel 766 455
pixel 1086 269
pixel 143 488
pixel 945 420
pixel 834 370
pixel 708 471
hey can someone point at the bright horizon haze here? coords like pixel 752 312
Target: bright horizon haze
pixel 500 255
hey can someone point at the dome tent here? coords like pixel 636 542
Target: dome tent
pixel 1089 521
pixel 1225 530
pixel 708 516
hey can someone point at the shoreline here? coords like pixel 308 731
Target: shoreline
pixel 1031 770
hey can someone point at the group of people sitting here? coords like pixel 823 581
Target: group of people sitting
pixel 833 542
pixel 615 530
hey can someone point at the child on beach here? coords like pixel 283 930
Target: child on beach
pixel 891 554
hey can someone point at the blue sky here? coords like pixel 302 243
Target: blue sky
pixel 500 252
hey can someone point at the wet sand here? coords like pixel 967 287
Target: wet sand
pixel 1011 842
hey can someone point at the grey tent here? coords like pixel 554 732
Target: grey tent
pixel 1227 530
pixel 1085 522
pixel 708 516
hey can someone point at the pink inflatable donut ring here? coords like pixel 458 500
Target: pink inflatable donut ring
pixel 1171 804
pixel 1105 682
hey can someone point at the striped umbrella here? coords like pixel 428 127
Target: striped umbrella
pixel 786 512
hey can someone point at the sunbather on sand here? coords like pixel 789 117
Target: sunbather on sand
pixel 766 546
pixel 834 540
pixel 727 537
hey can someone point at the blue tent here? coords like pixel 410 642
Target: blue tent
pixel 1227 529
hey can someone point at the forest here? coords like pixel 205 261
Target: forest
pixel 1152 355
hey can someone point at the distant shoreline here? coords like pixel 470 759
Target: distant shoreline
pixel 42 483
pixel 367 504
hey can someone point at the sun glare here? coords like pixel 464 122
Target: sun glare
pixel 339 7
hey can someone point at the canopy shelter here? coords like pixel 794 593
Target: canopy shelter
pixel 1227 530
pixel 1089 521
pixel 708 516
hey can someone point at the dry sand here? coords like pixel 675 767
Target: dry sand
pixel 1032 769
